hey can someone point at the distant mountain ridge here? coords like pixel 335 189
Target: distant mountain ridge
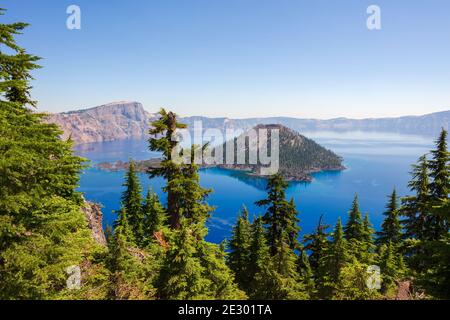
pixel 129 120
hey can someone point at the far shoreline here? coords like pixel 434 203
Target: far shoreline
pixel 143 166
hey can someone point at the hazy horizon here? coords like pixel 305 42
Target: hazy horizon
pixel 150 110
pixel 242 59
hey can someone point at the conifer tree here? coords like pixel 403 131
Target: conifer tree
pixel 133 270
pixel 259 266
pixel 306 273
pixel 222 280
pixel 391 229
pixel 289 284
pixel 437 279
pixel 181 276
pixel 392 268
pixel 123 228
pixel 337 257
pixel 192 268
pixel 163 139
pixel 239 245
pixel 192 197
pixel 367 246
pixel 354 228
pixel 317 244
pixel 272 277
pixel 439 167
pixel 281 215
pixel 42 228
pixel 154 215
pixel 416 208
pixel 132 202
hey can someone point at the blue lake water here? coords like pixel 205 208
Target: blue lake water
pixel 376 163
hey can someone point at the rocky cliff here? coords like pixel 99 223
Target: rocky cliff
pixel 114 121
pixel 94 217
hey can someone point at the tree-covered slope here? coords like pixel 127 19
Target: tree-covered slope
pixel 299 156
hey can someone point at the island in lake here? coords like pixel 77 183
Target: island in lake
pixel 299 157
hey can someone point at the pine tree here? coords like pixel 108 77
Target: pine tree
pixel 274 278
pixel 42 228
pixel 259 265
pixel 281 215
pixel 337 257
pixel 354 228
pixel 288 281
pixel 318 245
pixel 367 246
pixel 439 167
pixel 192 197
pixel 416 208
pixel 192 268
pixel 154 216
pixel 437 279
pixel 392 268
pixel 133 270
pixel 239 246
pixel 222 281
pixel 306 273
pixel 162 139
pixel 181 276
pixel 122 226
pixel 391 229
pixel 132 203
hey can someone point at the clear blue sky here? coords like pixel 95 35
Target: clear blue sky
pixel 242 58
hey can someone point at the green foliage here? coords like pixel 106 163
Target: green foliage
pixel 427 221
pixel 163 139
pixel 34 259
pixel 239 245
pixel 132 203
pixel 352 283
pixel 439 166
pixel 154 216
pixel 337 257
pixel 416 208
pixel 367 248
pixel 133 269
pixel 281 215
pixel 42 228
pixel 194 269
pixel 392 268
pixel 391 229
pixel 354 227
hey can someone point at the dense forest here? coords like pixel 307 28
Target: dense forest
pixel 159 251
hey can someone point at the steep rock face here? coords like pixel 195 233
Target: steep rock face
pixel 94 216
pixel 114 121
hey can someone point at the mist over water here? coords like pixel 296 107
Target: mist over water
pixel 376 163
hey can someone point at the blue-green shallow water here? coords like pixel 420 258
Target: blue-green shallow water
pixel 376 163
